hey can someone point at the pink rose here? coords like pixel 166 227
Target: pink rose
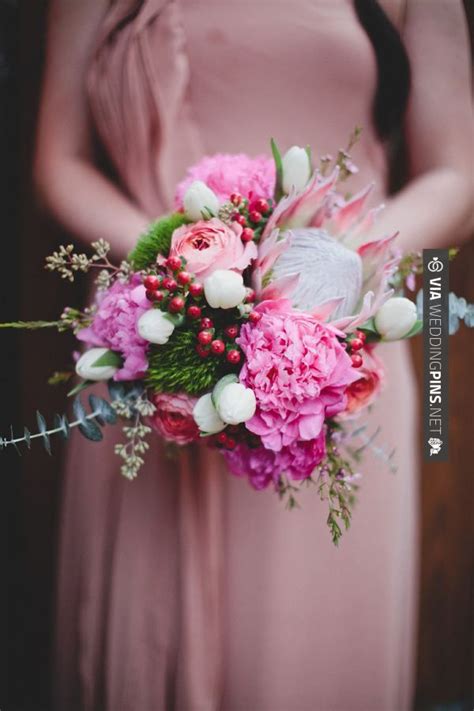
pixel 298 371
pixel 365 390
pixel 173 418
pixel 208 245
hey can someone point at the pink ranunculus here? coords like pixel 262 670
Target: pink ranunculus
pixel 226 174
pixel 298 370
pixel 115 326
pixel 366 389
pixel 208 245
pixel 264 466
pixel 173 417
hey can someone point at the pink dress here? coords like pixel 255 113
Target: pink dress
pixel 186 589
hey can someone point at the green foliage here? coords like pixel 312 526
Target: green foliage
pixel 156 241
pixel 279 170
pixel 177 367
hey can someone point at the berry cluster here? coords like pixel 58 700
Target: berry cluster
pixel 252 215
pixel 232 436
pixel 173 288
pixel 209 344
pixel 355 344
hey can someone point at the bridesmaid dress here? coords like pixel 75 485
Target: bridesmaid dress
pixel 186 589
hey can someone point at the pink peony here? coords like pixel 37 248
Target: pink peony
pixel 208 245
pixel 226 174
pixel 173 418
pixel 365 390
pixel 264 466
pixel 114 326
pixel 298 371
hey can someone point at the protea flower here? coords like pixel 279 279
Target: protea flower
pixel 313 249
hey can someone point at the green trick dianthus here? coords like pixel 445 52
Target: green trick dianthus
pixel 156 241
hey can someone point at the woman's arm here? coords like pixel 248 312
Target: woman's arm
pixel 77 194
pixel 436 208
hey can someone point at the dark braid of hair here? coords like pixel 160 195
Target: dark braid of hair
pixel 393 67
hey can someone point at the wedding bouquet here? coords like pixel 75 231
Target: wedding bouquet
pixel 247 320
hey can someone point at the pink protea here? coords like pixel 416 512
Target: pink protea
pixel 173 417
pixel 298 370
pixel 264 466
pixel 226 174
pixel 114 326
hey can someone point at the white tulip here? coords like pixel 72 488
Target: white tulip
pixel 206 417
pixel 85 365
pixel 296 169
pixel 200 201
pixel 155 327
pixel 395 318
pixel 236 404
pixel 224 289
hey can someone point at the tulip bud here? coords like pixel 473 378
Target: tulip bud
pixel 200 201
pixel 236 404
pixel 155 327
pixel 224 289
pixel 85 365
pixel 296 169
pixel 206 416
pixel 395 318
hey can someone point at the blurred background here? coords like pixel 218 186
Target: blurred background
pixel 30 486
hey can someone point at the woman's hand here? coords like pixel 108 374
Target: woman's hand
pixel 436 208
pixel 78 195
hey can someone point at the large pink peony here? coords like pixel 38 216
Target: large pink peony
pixel 298 371
pixel 173 417
pixel 264 466
pixel 226 174
pixel 208 245
pixel 114 326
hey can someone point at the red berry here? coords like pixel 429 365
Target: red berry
pixel 255 216
pixel 184 278
pixel 170 284
pixel 154 295
pixel 255 316
pixel 222 438
pixel 357 344
pixel 247 234
pixel 231 331
pixel 261 205
pixel 194 312
pixel 196 289
pixel 250 297
pixel 236 199
pixel 356 359
pixel 176 304
pixel 204 337
pixel 361 335
pixel 206 323
pixel 231 443
pixel 174 263
pixel 218 346
pixel 202 352
pixel 240 219
pixel 233 356
pixel 151 282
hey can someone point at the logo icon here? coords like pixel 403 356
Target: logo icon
pixel 435 265
pixel 435 445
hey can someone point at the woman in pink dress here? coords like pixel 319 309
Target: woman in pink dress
pixel 186 589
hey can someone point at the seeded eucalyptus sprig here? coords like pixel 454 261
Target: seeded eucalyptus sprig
pixel 67 263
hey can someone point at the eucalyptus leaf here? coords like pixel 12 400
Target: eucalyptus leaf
pixel 61 423
pixel 107 413
pixel 42 428
pixel 91 430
